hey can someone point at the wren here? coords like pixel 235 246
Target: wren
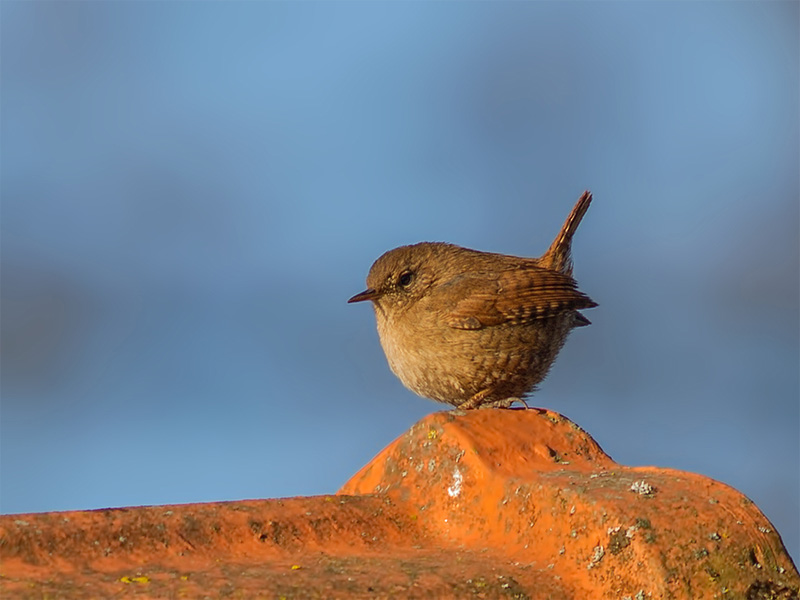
pixel 476 329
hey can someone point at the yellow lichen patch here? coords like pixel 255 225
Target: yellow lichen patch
pixel 136 579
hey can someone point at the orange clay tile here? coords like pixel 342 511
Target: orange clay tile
pixel 484 504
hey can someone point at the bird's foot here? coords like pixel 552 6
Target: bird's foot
pixel 479 400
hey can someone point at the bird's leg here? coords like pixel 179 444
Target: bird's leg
pixel 479 401
pixel 475 401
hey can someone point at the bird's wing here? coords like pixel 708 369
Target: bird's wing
pixel 513 296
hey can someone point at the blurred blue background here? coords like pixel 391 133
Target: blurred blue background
pixel 191 192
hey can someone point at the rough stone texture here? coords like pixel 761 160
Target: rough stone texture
pixel 535 485
pixel 484 504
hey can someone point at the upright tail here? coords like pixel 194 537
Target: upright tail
pixel 558 256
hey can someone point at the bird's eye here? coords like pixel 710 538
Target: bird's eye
pixel 405 278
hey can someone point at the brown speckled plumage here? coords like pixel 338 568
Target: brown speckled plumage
pixel 475 329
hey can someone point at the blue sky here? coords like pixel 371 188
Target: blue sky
pixel 191 192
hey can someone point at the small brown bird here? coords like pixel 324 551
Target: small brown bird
pixel 475 329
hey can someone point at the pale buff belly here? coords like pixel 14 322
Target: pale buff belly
pixel 452 365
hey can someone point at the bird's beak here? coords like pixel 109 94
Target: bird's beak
pixel 368 294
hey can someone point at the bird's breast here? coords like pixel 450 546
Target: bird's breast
pixel 412 342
